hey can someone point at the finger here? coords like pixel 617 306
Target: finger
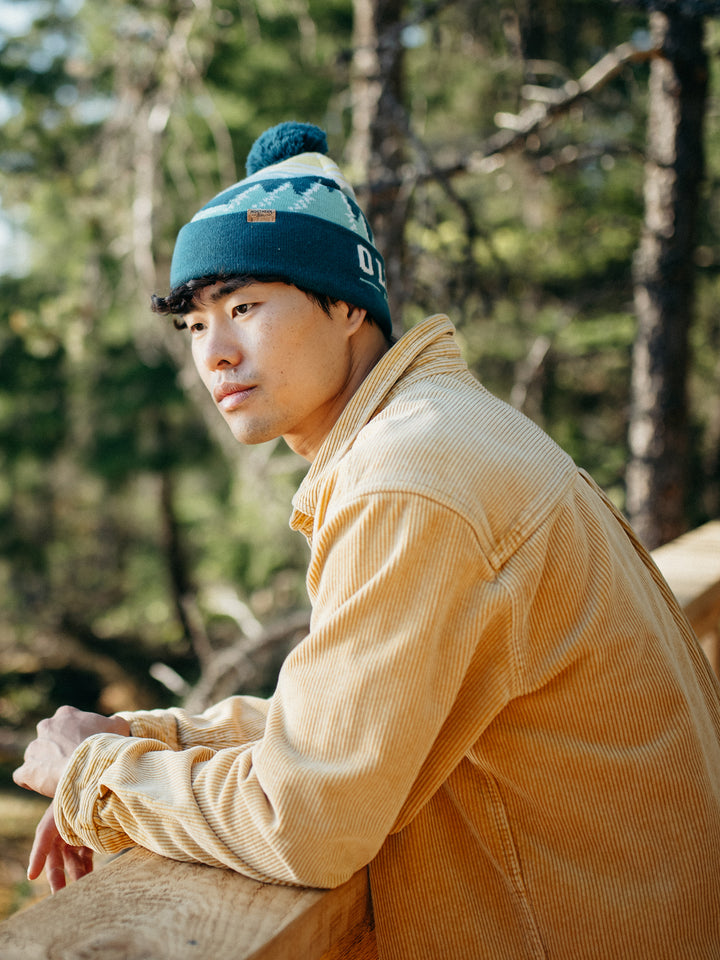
pixel 77 862
pixel 55 868
pixel 41 776
pixel 46 834
pixel 36 776
pixel 23 775
pixel 87 856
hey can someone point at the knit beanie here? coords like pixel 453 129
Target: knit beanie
pixel 293 217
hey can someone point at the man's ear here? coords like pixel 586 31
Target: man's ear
pixel 355 316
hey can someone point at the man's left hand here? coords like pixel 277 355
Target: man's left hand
pixel 60 860
pixel 46 757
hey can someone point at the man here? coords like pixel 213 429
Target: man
pixel 499 706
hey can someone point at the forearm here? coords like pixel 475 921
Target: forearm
pixel 218 808
pixel 228 723
pixel 141 792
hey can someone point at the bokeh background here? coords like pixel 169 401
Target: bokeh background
pixel 546 172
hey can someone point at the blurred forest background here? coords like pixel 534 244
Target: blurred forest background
pixel 546 172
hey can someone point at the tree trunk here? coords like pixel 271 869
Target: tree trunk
pixel 657 474
pixel 377 144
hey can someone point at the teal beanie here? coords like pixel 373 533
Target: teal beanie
pixel 294 216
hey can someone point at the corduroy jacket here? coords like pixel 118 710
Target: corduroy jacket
pixel 499 706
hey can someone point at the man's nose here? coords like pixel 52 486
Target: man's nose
pixel 221 347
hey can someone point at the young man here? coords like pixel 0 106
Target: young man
pixel 499 706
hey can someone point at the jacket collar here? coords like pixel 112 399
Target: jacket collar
pixel 427 349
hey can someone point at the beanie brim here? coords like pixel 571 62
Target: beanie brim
pixel 337 262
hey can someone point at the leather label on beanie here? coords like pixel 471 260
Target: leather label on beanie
pixel 261 216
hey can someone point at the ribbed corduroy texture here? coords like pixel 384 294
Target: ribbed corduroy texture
pixel 499 705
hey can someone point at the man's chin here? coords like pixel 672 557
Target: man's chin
pixel 250 436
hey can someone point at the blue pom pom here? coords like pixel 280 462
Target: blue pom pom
pixel 284 141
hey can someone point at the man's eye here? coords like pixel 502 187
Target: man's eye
pixel 196 327
pixel 241 309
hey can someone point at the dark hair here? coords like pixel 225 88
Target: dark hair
pixel 182 299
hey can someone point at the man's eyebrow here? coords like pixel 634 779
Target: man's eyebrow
pixel 228 288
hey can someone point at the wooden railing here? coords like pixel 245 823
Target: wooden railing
pixel 691 565
pixel 143 907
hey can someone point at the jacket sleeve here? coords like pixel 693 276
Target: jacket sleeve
pixel 358 706
pixel 232 721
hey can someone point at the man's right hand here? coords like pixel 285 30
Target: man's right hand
pixel 61 861
pixel 57 737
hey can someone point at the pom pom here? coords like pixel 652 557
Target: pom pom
pixel 284 141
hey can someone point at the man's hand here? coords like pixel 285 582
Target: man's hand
pixel 47 756
pixel 61 861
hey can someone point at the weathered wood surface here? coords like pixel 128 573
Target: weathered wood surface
pixel 691 566
pixel 143 907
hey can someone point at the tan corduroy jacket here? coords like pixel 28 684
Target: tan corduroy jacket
pixel 499 705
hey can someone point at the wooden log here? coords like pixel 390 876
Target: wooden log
pixel 691 566
pixel 143 907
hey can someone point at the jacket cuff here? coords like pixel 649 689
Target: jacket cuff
pixel 80 793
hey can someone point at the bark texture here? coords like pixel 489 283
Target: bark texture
pixel 377 144
pixel 657 475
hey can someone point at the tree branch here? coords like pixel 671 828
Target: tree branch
pixel 249 664
pixel 518 127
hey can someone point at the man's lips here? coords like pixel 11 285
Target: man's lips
pixel 229 395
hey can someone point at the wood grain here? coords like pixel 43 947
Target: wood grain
pixel 144 907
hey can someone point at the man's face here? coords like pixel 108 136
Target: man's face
pixel 275 363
